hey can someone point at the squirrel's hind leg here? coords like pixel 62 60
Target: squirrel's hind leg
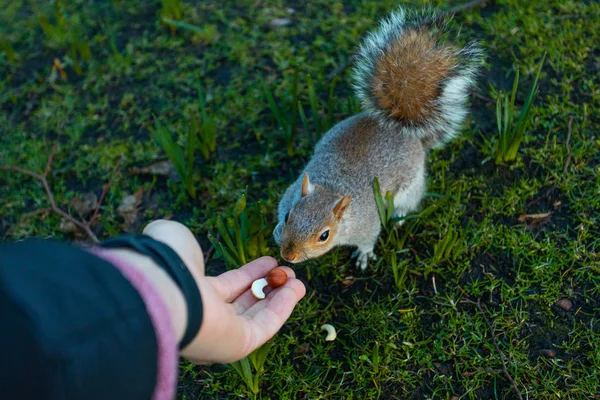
pixel 408 199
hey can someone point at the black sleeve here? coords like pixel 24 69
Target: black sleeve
pixel 72 327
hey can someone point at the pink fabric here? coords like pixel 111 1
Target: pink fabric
pixel 168 356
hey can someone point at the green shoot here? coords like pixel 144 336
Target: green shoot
pixel 257 360
pixel 10 52
pixel 305 121
pixel 331 105
pixel 244 237
pixel 511 130
pixel 314 105
pixel 171 10
pixel 352 106
pixel 384 208
pixel 205 34
pixel 399 270
pixel 163 137
pixel 286 116
pixel 67 34
pixel 449 247
pixel 207 128
pixel 245 240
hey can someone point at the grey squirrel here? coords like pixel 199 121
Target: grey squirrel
pixel 413 87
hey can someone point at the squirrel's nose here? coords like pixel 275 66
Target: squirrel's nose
pixel 289 255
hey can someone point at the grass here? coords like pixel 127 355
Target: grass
pixel 182 158
pixel 406 328
pixel 511 127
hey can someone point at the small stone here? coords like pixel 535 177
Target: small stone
pixel 548 353
pixel 565 304
pixel 304 348
pixel 443 368
pixel 279 22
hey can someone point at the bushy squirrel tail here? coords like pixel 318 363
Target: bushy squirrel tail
pixel 406 72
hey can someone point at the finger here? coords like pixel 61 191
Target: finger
pixel 181 240
pixel 269 318
pixel 254 309
pixel 233 283
pixel 247 299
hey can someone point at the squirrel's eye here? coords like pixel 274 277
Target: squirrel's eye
pixel 324 236
pixel 287 216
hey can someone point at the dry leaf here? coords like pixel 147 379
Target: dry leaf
pixel 443 368
pixel 347 282
pixel 534 218
pixel 129 207
pixel 67 226
pixel 163 168
pixel 84 204
pixel 304 348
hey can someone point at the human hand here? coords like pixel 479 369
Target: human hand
pixel 234 322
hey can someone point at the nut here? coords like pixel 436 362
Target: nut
pixel 257 288
pixel 276 277
pixel 331 333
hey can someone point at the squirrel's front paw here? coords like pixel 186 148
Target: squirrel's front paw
pixel 363 257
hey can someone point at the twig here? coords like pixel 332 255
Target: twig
pixel 486 371
pixel 491 329
pixel 568 145
pixel 321 299
pixel 26 216
pixel 476 94
pixel 44 180
pixel 92 220
pixel 455 10
pixel 105 189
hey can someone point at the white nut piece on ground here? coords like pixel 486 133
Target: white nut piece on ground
pixel 257 288
pixel 331 333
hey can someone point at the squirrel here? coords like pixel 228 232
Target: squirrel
pixel 413 87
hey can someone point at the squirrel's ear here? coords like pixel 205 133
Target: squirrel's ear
pixel 341 206
pixel 307 187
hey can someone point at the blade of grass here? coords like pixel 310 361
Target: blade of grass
pixel 331 104
pixel 163 137
pixel 191 147
pixel 283 123
pixel 314 105
pixel 305 121
pixel 183 25
pixel 379 202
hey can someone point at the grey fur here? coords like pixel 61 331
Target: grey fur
pixel 397 160
pixel 362 147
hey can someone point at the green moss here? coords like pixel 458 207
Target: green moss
pixel 429 344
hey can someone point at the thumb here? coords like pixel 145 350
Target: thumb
pixel 181 240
